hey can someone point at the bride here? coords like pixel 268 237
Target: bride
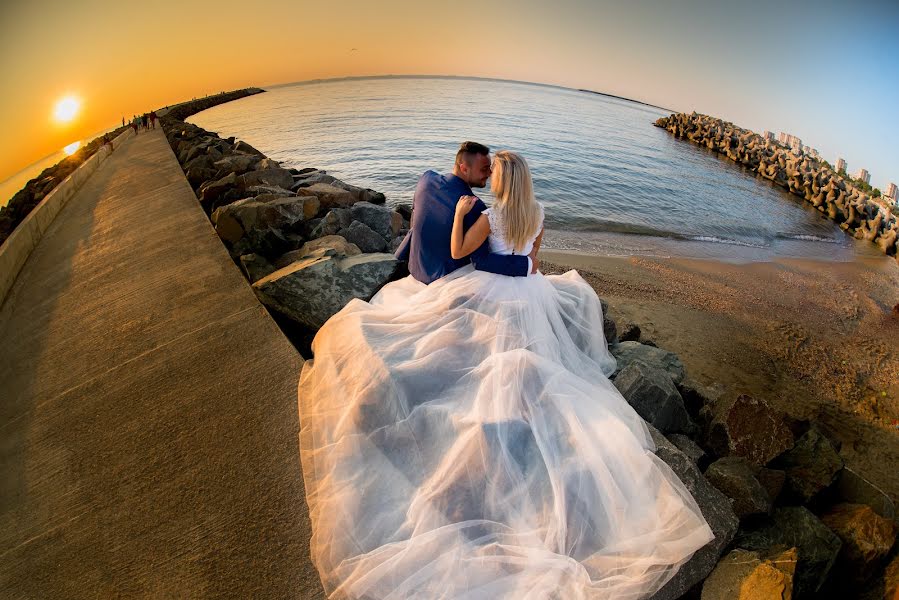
pixel 462 439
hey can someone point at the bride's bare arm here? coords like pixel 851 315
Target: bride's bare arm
pixel 537 242
pixel 461 245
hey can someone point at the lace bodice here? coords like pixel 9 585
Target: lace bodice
pixel 497 238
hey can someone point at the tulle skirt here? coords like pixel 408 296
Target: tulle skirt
pixel 462 440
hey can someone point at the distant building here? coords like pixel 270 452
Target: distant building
pixel 891 192
pixel 795 143
pixel 863 175
pixel 768 135
pixel 840 165
pixel 782 137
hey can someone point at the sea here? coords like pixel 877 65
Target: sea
pixel 611 182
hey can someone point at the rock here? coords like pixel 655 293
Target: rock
pixel 334 221
pixel 627 352
pixel 687 446
pixel 629 332
pixel 772 480
pixel 891 580
pixel 652 394
pixel 255 267
pixel 746 575
pixel 268 163
pixel 811 465
pixel 196 176
pixel 733 476
pixel 405 209
pixel 210 191
pixel 329 195
pixel 383 221
pixel 274 177
pixel 852 487
pixel 395 243
pixel 796 526
pixel 364 237
pixel 312 179
pixel 747 427
pixel 310 291
pixel 268 190
pixel 237 163
pixel 609 330
pixel 335 243
pixel 867 539
pixel 242 146
pixel 715 508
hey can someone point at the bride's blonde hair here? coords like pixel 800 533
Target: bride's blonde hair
pixel 511 184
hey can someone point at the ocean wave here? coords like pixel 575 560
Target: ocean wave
pixel 717 240
pixel 806 237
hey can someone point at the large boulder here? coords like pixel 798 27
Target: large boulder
pixel 715 508
pixel 811 465
pixel 331 223
pixel 867 539
pixel 253 226
pixel 733 476
pixel 311 290
pixel 796 526
pixel 747 575
pixel 628 352
pixel 274 176
pixel 382 220
pixel 747 427
pixel 237 163
pixel 329 195
pixel 242 146
pixel 334 243
pixel 255 267
pixel 653 395
pixel 364 237
pixel 210 191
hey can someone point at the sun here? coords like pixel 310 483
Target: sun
pixel 66 109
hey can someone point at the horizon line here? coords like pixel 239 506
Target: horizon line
pixel 470 77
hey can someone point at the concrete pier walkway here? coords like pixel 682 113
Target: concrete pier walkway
pixel 148 423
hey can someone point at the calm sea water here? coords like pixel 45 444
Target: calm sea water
pixel 612 183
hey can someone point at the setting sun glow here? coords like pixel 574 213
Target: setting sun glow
pixel 71 148
pixel 66 109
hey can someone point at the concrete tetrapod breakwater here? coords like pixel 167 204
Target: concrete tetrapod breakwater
pixel 149 408
pixel 803 175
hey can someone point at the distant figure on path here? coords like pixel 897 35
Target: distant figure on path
pixel 153 119
pixel 134 124
pixel 143 120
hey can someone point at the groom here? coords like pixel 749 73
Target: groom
pixel 427 245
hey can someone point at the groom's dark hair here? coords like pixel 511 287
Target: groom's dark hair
pixel 469 148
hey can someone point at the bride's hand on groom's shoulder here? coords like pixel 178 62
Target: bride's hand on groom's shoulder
pixel 465 204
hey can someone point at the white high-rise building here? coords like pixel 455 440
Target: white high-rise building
pixel 863 175
pixel 840 165
pixel 891 192
pixel 768 135
pixel 782 137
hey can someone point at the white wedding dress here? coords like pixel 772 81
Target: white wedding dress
pixel 462 440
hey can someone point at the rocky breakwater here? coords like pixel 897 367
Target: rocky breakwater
pixel 24 201
pixel 802 175
pixel 307 242
pixel 790 519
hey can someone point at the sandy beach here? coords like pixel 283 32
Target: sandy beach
pixel 818 339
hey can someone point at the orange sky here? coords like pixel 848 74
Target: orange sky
pixel 123 58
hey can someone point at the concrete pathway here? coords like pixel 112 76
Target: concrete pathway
pixel 148 409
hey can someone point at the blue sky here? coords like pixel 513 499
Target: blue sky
pixel 825 71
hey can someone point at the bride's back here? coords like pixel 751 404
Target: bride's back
pixel 499 244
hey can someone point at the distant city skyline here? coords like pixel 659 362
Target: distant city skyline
pixel 826 72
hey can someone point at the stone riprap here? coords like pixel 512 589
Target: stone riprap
pixel 798 173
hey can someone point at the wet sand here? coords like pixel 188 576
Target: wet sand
pixel 817 339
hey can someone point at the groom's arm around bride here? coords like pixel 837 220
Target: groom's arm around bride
pixel 427 245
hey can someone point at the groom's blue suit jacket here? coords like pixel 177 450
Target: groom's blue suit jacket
pixel 427 245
